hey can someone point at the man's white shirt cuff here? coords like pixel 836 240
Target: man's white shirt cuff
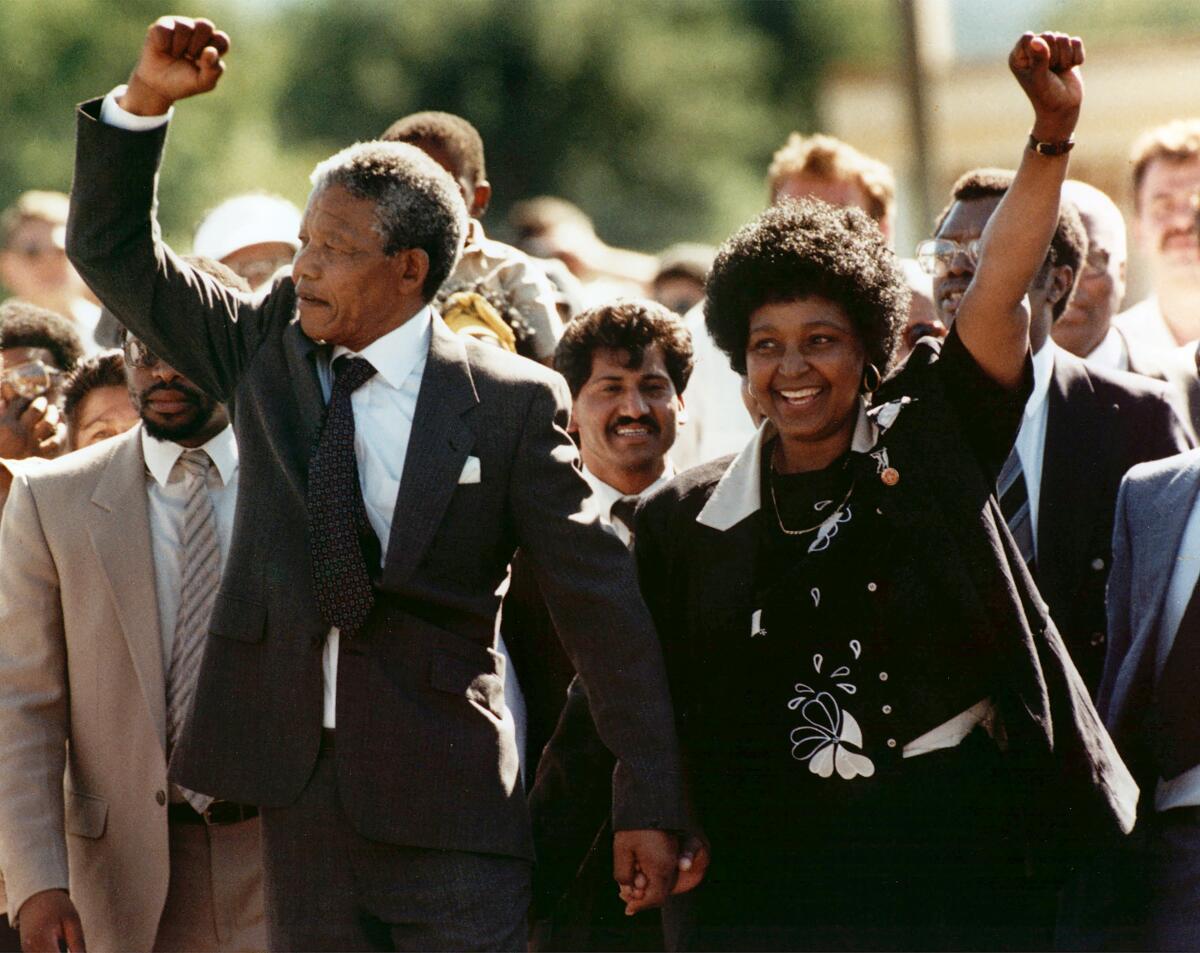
pixel 113 115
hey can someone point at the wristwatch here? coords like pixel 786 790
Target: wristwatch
pixel 1051 148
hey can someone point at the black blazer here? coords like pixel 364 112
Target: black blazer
pixel 422 757
pixel 1099 424
pixel 699 579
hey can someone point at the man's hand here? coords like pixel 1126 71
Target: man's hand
pixel 645 865
pixel 181 57
pixel 693 863
pixel 1047 67
pixel 48 920
pixel 29 428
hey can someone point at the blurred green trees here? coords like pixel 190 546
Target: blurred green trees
pixel 658 118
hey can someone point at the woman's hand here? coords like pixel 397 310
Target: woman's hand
pixel 693 863
pixel 1047 67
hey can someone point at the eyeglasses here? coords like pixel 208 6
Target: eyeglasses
pixel 31 379
pixel 138 355
pixel 935 255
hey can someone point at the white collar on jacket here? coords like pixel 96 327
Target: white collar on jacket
pixel 737 494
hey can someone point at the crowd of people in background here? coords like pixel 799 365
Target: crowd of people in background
pixel 367 582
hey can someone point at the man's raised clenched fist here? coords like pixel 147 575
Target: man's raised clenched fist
pixel 181 57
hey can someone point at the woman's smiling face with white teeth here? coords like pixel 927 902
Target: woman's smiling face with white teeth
pixel 804 364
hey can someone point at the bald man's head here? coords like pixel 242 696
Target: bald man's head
pixel 1101 287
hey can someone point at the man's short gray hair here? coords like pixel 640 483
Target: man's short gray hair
pixel 417 204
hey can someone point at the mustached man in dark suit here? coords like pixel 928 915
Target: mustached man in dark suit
pixel 1083 426
pixel 389 471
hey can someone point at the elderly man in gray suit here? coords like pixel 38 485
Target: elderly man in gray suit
pixel 1150 701
pixel 389 470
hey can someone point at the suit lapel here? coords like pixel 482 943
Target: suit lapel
pixel 1157 542
pixel 119 528
pixel 301 353
pixel 1159 549
pixel 1076 427
pixel 437 449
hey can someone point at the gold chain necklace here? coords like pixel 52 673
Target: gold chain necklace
pixel 817 525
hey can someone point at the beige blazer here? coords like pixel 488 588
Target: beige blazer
pixel 82 697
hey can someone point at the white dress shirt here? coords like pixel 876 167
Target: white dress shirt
pixel 1183 790
pixel 383 410
pixel 1144 323
pixel 604 496
pixel 1031 438
pixel 717 420
pixel 167 493
pixel 1110 353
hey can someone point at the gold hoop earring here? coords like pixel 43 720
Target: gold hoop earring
pixel 871 379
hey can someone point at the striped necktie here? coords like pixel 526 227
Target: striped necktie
pixel 200 576
pixel 1014 504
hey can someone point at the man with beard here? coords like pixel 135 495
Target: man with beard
pixel 102 620
pixel 1083 426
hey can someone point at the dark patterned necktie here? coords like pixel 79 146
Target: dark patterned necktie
pixel 1176 715
pixel 1014 504
pixel 343 545
pixel 622 512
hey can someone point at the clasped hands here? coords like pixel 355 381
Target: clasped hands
pixel 651 865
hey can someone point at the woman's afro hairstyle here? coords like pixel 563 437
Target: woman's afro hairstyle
pixel 803 249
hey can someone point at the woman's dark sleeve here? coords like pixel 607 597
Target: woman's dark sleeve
pixel 989 414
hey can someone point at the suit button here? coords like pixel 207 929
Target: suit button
pixel 891 742
pixel 1097 638
pixel 1097 564
pixel 160 797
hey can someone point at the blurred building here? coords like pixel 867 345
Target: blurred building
pixel 977 116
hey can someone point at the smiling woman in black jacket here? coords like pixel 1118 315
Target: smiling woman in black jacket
pixel 877 714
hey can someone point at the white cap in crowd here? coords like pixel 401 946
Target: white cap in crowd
pixel 246 220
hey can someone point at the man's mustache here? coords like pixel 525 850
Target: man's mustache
pixel 648 422
pixel 190 392
pixel 1189 233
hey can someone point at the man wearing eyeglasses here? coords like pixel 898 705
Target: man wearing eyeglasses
pixel 1166 191
pixel 1083 427
pixel 102 620
pixel 37 347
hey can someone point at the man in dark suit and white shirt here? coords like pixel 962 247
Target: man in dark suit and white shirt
pixel 389 471
pixel 1083 426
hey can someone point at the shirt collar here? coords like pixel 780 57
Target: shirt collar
pixel 1043 371
pixel 738 492
pixel 1111 352
pixel 161 455
pixel 394 355
pixel 606 494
